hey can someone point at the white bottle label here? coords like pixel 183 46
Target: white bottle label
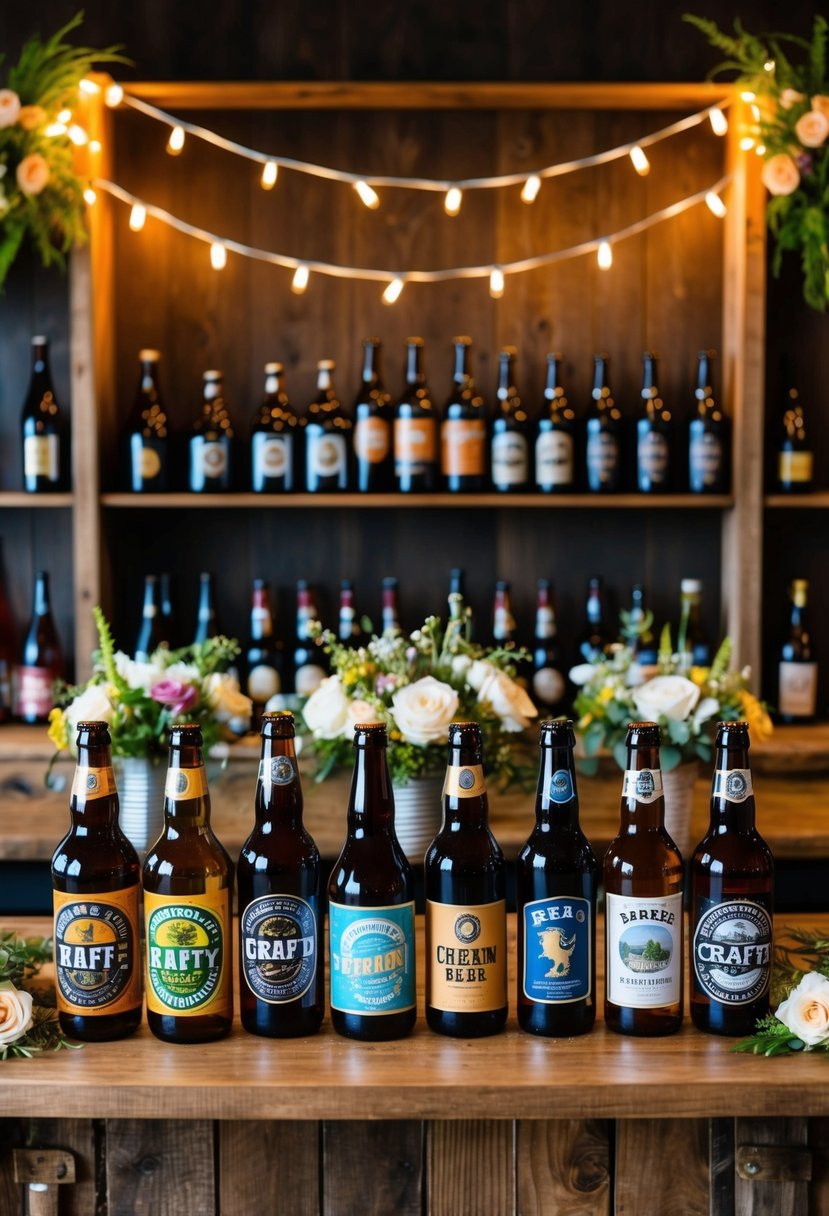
pixel 271 455
pixel 705 457
pixel 602 455
pixel 645 785
pixel 510 459
pixel 41 456
pixel 213 459
pixel 733 784
pixel 554 459
pixel 644 950
pixel 798 689
pixel 653 459
pixel 326 455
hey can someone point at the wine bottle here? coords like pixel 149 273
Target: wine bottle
pixel 41 658
pixel 595 640
pixel 510 445
pixel 149 635
pixel 503 620
pixel 708 434
pixel 603 448
pixel 391 607
pixel 206 626
pixel 308 657
pixel 166 611
pixel 212 444
pixel 147 434
pixel 8 651
pixel 795 455
pixel 373 458
pixel 348 624
pixel 555 443
pixel 797 670
pixel 327 436
pixel 274 438
pixel 264 657
pixel 45 447
pixel 548 681
pixel 636 631
pixel 415 428
pixel 654 431
pixel 463 429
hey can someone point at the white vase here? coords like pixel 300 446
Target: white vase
pixel 418 809
pixel 140 785
pixel 678 787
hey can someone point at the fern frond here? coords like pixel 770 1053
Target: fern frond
pixel 107 646
pixel 722 659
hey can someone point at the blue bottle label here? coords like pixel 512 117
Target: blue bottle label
pixel 372 959
pixel 557 947
pixel 279 946
pixel 561 786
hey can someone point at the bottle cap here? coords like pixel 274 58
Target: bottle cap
pixel 274 369
pixel 644 734
pixel 463 340
pixel 278 724
pixel 40 340
pixel 558 731
pixel 147 355
pixel 690 586
pixel 326 365
pixel 214 374
pixel 800 584
pixel 414 341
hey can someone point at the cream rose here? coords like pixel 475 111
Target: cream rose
pixel 820 102
pixel 31 117
pixel 9 107
pixel 423 710
pixel 509 700
pixel 780 174
pixel 791 97
pixel 32 173
pixel 326 710
pixel 144 675
pixel 15 1013
pixel 668 696
pixel 225 697
pixel 359 712
pixel 812 128
pixel 806 1010
pixel 93 705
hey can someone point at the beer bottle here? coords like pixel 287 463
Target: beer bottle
pixel 45 455
pixel 96 896
pixel 166 611
pixel 308 657
pixel 327 435
pixel 7 646
pixel 797 670
pixel 731 900
pixel 503 621
pixel 212 444
pixel 415 428
pixel 274 438
pixel 510 446
pixel 463 429
pixel 188 881
pixel 149 635
pixel 603 449
pixel 459 608
pixel 555 464
pixel 654 431
pixel 708 447
pixel 466 923
pixel 371 907
pixel 348 623
pixel 636 632
pixel 548 681
pixel 206 625
pixel 41 658
pixel 643 888
pixel 795 450
pixel 281 993
pixel 595 639
pixel 147 433
pixel 391 607
pixel 556 901
pixel 264 658
pixel 373 457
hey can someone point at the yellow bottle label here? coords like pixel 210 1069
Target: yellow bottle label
pixel 188 957
pixel 464 781
pixel 466 952
pixel 96 944
pixel 92 783
pixel 795 467
pixel 185 783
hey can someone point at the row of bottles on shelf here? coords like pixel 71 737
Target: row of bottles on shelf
pixel 187 877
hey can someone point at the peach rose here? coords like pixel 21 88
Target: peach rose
pixel 806 1010
pixel 31 117
pixel 812 128
pixel 789 98
pixel 32 173
pixel 780 175
pixel 9 107
pixel 820 102
pixel 15 1013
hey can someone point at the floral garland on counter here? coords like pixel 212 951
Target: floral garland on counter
pixel 801 1022
pixel 28 1014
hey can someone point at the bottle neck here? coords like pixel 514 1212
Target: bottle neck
pixel 390 610
pixel 465 803
pixel 278 791
pixel 732 792
pixel 643 802
pixel 552 378
pixel 545 617
pixel 371 804
pixel 186 800
pixel 505 380
pixel 595 608
pixel 305 611
pixel 414 366
pixel 600 379
pixel 89 810
pixel 371 366
pixel 556 801
pixel 150 599
pixel 41 596
pixel 324 381
pixel 261 617
pixel 704 389
pixel 461 375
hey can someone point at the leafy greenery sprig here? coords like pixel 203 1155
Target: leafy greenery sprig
pixel 20 962
pixel 797 952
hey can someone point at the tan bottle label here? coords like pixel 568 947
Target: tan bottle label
pixel 798 689
pixel 96 951
pixel 464 781
pixel 414 441
pixel 150 463
pixel 92 783
pixel 41 456
pixel 466 949
pixel 795 467
pixel 185 783
pixel 371 440
pixel 188 957
pixel 463 447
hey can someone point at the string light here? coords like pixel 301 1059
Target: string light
pixel 64 116
pixel 760 149
pixel 90 87
pixel 300 279
pixel 54 129
pixel 270 171
pixel 768 66
pixel 95 146
pixel 176 141
pixel 392 292
pixel 218 255
pixel 640 161
pixel 89 196
pixel 496 283
pixel 452 202
pixel 368 195
pixel 746 143
pixel 604 255
pixel 114 95
pixel 747 95
pixel 530 189
pixel 719 122
pixel 755 113
pixel 78 136
pixel 716 205
pixel 138 217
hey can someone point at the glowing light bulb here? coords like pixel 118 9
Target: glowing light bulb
pixel 78 136
pixel 760 149
pixel 392 292
pixel 604 255
pixel 747 95
pixel 270 171
pixel 65 116
pixel 768 66
pixel 746 143
pixel 114 95
pixel 715 204
pixel 55 128
pixel 300 280
pixel 640 161
pixel 496 282
pixel 90 87
pixel 368 195
pixel 530 189
pixel 452 202
pixel 138 217
pixel 755 113
pixel 718 120
pixel 89 196
pixel 95 146
pixel 218 255
pixel 176 141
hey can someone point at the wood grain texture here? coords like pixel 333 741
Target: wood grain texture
pixel 819 1187
pixel 76 1136
pixel 563 1166
pixel 471 1168
pixel 268 1167
pixel 721 1160
pixel 162 1167
pixel 11 1193
pixel 761 1198
pixel 662 1167
pixel 372 1168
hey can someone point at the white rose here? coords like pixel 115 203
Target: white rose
pixel 812 128
pixel 138 675
pixel 423 710
pixel 582 672
pixel 671 696
pixel 359 712
pixel 185 673
pixel 225 697
pixel 806 1010
pixel 15 1013
pixel 460 665
pixel 509 701
pixel 93 705
pixel 707 707
pixel 326 710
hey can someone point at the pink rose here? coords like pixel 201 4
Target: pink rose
pixel 9 107
pixel 812 128
pixel 177 696
pixel 780 175
pixel 820 102
pixel 32 173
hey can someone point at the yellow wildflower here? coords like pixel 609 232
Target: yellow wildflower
pixel 584 721
pixel 349 678
pixel 606 695
pixel 395 735
pixel 759 722
pixel 699 675
pixel 57 729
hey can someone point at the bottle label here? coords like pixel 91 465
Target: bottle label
pixel 5 684
pixel 561 786
pixel 326 455
pixel 96 951
pixel 797 694
pixel 279 770
pixel 645 785
pixel 464 781
pixel 545 622
pixel 795 467
pixel 279 938
pixel 463 447
pixel 372 958
pixel 150 465
pixel 732 951
pixel 271 456
pixel 415 446
pixel 308 678
pixel 371 440
pixel 653 459
pixel 41 456
pixel 554 459
pixel 467 956
pixel 185 783
pixel 503 623
pixel 34 691
pixel 705 457
pixel 644 950
pixel 557 939
pixel 733 784
pixel 548 685
pixel 510 459
pixel 602 455
pixel 89 783
pixel 213 458
pixel 188 961
pixel 263 683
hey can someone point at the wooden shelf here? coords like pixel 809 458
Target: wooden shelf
pixel 803 502
pixel 19 498
pixel 540 502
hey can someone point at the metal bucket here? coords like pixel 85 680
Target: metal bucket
pixel 418 808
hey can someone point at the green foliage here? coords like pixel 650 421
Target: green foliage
pixel 796 952
pixel 20 962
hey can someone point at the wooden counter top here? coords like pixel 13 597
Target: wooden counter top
pixel 507 1076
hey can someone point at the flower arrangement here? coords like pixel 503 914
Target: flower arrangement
pixel 686 702
pixel 28 1016
pixel 791 108
pixel 801 1022
pixel 417 685
pixel 40 193
pixel 140 701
